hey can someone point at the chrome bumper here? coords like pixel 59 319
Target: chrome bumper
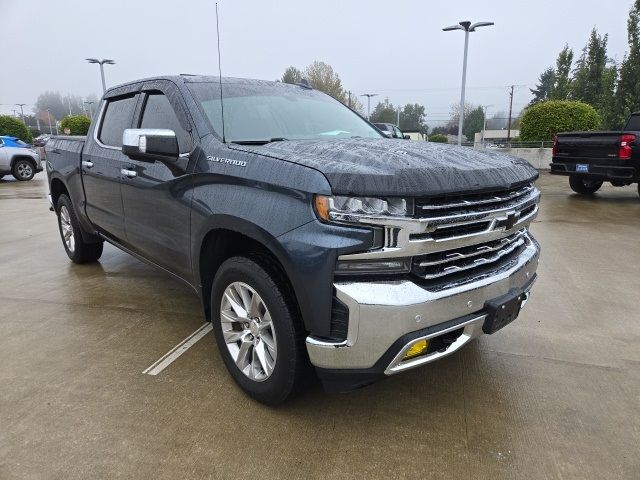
pixel 382 312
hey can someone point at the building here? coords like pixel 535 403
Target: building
pixel 495 136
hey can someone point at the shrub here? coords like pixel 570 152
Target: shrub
pixel 543 120
pixel 77 124
pixel 13 127
pixel 438 138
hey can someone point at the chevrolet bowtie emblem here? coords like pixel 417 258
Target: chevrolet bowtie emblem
pixel 512 218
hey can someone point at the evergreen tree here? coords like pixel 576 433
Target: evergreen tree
pixel 562 84
pixel 546 82
pixel 627 96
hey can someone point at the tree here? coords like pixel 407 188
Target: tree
pixel 51 101
pixel 292 75
pixel 384 112
pixel 454 119
pixel 354 104
pixel 14 127
pixel 562 84
pixel 546 81
pixel 77 124
pixel 473 123
pixel 627 96
pixel 321 76
pixel 412 118
pixel 542 121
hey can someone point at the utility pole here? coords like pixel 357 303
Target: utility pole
pixel 349 102
pixel 369 95
pixel 484 125
pixel 398 124
pixel 510 110
pixel 69 100
pixel 50 127
pixel 90 109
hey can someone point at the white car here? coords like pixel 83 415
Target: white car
pixel 18 158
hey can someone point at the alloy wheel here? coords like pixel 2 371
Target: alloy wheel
pixel 24 170
pixel 67 229
pixel 248 331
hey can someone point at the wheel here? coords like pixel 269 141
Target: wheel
pixel 258 329
pixel 23 170
pixel 584 186
pixel 77 249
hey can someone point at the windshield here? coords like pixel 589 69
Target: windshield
pixel 263 112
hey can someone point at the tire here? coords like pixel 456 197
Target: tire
pixel 268 360
pixel 77 249
pixel 23 170
pixel 583 186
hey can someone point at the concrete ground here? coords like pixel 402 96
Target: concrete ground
pixel 556 395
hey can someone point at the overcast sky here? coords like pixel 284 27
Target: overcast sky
pixel 395 48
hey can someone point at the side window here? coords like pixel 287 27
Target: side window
pixel 117 117
pixel 158 113
pixel 398 132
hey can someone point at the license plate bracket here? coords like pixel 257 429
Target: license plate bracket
pixel 502 311
pixel 582 168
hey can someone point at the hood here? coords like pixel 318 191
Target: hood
pixel 389 167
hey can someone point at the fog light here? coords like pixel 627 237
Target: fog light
pixel 417 349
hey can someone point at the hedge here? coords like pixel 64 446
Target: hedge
pixel 542 121
pixel 13 127
pixel 77 124
pixel 438 138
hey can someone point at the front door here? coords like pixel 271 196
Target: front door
pixel 102 162
pixel 157 195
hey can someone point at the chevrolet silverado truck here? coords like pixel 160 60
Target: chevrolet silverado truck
pixel 592 158
pixel 318 247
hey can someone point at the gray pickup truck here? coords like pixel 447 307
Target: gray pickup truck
pixel 318 247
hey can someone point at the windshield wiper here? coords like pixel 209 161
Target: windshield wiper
pixel 259 142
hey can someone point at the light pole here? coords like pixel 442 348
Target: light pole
pixel 468 27
pixel 484 124
pixel 369 95
pixel 21 105
pixel 90 109
pixel 50 127
pixel 101 63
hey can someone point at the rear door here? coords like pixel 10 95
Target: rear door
pixel 102 162
pixel 157 200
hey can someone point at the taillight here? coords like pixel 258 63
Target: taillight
pixel 555 145
pixel 625 146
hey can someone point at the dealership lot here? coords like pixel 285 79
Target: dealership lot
pixel 554 395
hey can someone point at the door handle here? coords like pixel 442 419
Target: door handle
pixel 87 164
pixel 128 173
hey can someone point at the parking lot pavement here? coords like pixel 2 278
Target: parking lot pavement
pixel 554 395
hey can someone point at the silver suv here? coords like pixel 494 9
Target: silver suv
pixel 17 158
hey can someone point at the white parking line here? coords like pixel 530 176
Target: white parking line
pixel 178 350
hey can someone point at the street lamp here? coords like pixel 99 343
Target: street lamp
pixel 369 95
pixel 484 124
pixel 468 27
pixel 21 105
pixel 101 63
pixel 90 109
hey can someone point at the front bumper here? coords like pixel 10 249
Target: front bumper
pixel 385 316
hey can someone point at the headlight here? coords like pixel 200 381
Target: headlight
pixel 354 208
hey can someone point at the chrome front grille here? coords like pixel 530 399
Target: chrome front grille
pixel 440 264
pixel 451 240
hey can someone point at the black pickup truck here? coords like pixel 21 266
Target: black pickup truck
pixel 592 158
pixel 317 246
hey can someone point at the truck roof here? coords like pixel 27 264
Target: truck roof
pixel 194 78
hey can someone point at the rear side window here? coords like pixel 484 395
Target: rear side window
pixel 158 113
pixel 633 125
pixel 117 117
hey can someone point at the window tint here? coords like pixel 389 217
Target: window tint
pixel 158 113
pixel 634 124
pixel 116 118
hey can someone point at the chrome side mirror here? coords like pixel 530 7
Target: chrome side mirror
pixel 150 144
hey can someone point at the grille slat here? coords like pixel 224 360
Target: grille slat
pixel 480 255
